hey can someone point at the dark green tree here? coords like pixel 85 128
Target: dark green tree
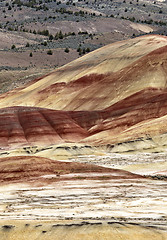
pixel 13 46
pixel 49 52
pixel 67 50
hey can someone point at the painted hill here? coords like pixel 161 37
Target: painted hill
pixel 99 79
pixel 31 168
pixel 116 94
pixel 111 100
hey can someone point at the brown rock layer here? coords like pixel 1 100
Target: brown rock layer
pixel 31 168
pixel 20 126
pixel 23 126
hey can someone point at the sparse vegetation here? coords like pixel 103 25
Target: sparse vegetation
pixel 39 35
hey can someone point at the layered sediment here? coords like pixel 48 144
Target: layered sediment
pixel 112 100
pixel 78 231
pixel 114 95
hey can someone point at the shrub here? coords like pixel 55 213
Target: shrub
pixel 67 50
pixel 49 52
pixel 87 50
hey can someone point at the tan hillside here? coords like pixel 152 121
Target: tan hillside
pixel 116 94
pixel 99 79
